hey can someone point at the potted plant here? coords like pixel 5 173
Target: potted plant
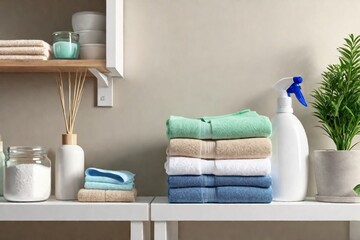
pixel 337 108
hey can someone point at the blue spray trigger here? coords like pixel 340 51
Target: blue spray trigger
pixel 297 79
pixel 296 89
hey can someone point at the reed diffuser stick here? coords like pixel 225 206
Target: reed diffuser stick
pixel 75 91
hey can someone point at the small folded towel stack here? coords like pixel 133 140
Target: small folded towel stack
pixel 222 159
pixel 108 186
pixel 24 50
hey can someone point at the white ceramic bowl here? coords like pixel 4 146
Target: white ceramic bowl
pixel 92 51
pixel 92 36
pixel 88 21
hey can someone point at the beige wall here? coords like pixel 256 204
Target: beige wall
pixel 183 57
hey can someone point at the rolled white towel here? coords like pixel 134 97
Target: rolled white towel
pixel 235 167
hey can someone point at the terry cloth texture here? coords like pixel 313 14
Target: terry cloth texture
pixel 220 149
pixel 196 166
pixel 109 186
pixel 218 181
pixel 24 43
pixel 23 57
pixel 25 51
pixel 108 176
pixel 243 124
pixel 86 195
pixel 228 194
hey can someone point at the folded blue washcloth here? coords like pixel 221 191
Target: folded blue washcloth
pixel 109 186
pixel 108 176
pixel 217 181
pixel 104 180
pixel 229 194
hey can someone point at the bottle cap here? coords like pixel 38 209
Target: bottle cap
pixel 69 139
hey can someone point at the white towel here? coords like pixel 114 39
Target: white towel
pixel 23 57
pixel 25 51
pixel 197 166
pixel 24 43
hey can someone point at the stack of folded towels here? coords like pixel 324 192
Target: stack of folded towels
pixel 232 167
pixel 24 50
pixel 108 186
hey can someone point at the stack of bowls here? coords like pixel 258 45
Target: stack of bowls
pixel 91 28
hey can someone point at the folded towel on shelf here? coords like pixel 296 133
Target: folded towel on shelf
pixel 220 149
pixel 196 166
pixel 109 186
pixel 228 194
pixel 86 195
pixel 23 57
pixel 105 180
pixel 108 176
pixel 24 43
pixel 244 124
pixel 218 181
pixel 25 51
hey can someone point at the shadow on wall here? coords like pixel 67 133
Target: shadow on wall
pixel 65 230
pixel 264 230
pixel 145 161
pixel 152 159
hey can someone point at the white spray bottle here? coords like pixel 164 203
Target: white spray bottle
pixel 289 161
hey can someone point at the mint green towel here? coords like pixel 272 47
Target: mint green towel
pixel 243 124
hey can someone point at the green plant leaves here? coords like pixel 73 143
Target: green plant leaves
pixel 337 99
pixel 357 189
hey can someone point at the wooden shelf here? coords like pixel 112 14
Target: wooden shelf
pixel 51 65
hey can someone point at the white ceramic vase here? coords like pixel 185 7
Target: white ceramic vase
pixel 69 169
pixel 336 174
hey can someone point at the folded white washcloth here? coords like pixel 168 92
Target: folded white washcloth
pixel 24 57
pixel 24 43
pixel 197 166
pixel 24 51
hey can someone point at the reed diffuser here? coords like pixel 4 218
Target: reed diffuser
pixel 69 164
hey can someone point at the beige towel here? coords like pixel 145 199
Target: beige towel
pixel 23 57
pixel 24 51
pixel 93 195
pixel 24 43
pixel 221 149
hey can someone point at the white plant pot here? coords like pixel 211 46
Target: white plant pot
pixel 69 171
pixel 336 174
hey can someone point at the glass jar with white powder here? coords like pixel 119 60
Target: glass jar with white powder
pixel 27 175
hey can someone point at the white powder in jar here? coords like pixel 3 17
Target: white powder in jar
pixel 27 182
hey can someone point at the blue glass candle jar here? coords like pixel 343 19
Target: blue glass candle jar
pixel 66 45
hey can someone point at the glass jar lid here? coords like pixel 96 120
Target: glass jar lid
pixel 23 151
pixel 65 36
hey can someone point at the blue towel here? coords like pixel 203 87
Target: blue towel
pixel 217 181
pixel 109 186
pixel 103 180
pixel 108 176
pixel 220 195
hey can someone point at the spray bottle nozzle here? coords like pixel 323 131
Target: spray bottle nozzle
pixel 296 89
pixel 285 87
